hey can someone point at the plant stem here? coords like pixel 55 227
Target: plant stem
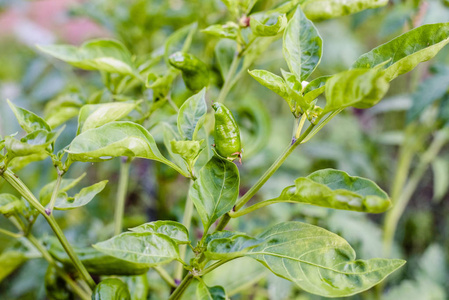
pixel 228 80
pixel 165 276
pixel 393 215
pixel 11 234
pixel 78 290
pixel 121 195
pixel 236 214
pixel 256 187
pixel 54 195
pixel 16 183
pixel 186 221
pixel 181 287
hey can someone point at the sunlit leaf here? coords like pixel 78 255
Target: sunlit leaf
pixel 176 231
pixel 64 202
pixel 268 28
pixel 65 185
pixel 406 51
pixel 191 115
pixel 28 120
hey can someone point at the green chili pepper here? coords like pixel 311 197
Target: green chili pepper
pixel 194 72
pixel 111 289
pixel 55 286
pixel 227 133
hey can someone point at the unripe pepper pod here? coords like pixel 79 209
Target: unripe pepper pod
pixel 194 72
pixel 227 133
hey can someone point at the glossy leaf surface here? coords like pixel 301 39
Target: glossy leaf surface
pixel 318 10
pixel 302 46
pixel 407 50
pixel 216 190
pixel 28 120
pixel 96 115
pixel 175 230
pixel 271 81
pixel 319 261
pixel 360 88
pixel 102 54
pixel 65 185
pixel 37 142
pixel 267 28
pixel 64 202
pixel 151 249
pixel 336 189
pixel 228 30
pixel 191 115
pixel 315 88
pixel 228 244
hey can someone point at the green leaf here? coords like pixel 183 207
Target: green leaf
pixel 224 53
pixel 203 292
pixel 440 168
pixel 318 10
pixel 407 50
pixel 215 191
pixel 294 91
pixel 429 91
pixel 65 185
pixel 36 143
pixel 62 109
pixel 10 204
pixel 10 261
pixel 147 248
pixel 96 115
pixel 111 289
pixel 180 40
pixel 228 31
pixel 63 202
pixel 228 244
pixel 100 54
pixel 191 115
pixel 319 261
pixel 188 150
pixel 360 88
pixel 138 286
pixel 302 46
pixel 267 27
pixel 315 88
pixel 336 189
pixel 271 81
pixel 27 120
pixel 116 139
pixel 174 230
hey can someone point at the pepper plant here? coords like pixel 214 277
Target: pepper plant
pixel 204 145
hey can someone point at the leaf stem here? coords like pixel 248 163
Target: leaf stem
pixel 11 234
pixel 121 195
pixel 16 183
pixel 228 80
pixel 78 290
pixel 256 187
pixel 181 287
pixel 165 276
pixel 186 221
pixel 393 215
pixel 54 195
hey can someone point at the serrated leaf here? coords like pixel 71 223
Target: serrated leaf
pixel 318 10
pixel 216 189
pixel 100 54
pixel 27 120
pixel 65 185
pixel 63 202
pixel 10 261
pixel 407 50
pixel 115 139
pixel 360 88
pixel 10 204
pixel 319 261
pixel 336 189
pixel 151 249
pixel 267 27
pixel 228 244
pixel 96 115
pixel 174 230
pixel 203 292
pixel 302 46
pixel 191 115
